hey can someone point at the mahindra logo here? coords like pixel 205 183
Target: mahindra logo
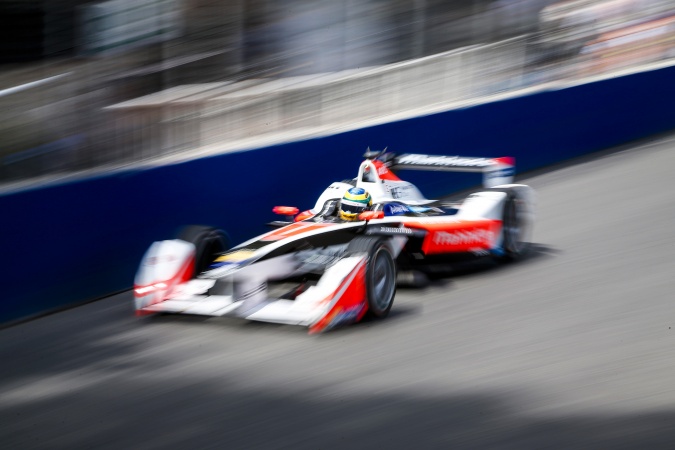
pixel 445 161
pixel 464 237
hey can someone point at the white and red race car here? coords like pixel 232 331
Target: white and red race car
pixel 319 271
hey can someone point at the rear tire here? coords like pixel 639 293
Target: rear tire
pixel 380 273
pixel 209 242
pixel 515 232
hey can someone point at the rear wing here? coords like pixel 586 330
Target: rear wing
pixel 496 171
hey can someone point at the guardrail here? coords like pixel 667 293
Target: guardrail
pixel 83 239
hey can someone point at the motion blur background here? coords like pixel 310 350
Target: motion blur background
pixel 96 85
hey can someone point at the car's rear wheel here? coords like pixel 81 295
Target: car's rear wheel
pixel 514 244
pixel 380 273
pixel 208 242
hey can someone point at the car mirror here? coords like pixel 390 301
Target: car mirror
pixel 370 215
pixel 288 211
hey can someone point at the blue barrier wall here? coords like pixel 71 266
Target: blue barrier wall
pixel 83 240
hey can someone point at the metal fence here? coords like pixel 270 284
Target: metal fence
pixel 230 116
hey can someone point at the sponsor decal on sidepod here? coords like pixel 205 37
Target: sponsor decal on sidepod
pixel 463 237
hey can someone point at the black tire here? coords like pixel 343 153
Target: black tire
pixel 208 243
pixel 380 273
pixel 515 245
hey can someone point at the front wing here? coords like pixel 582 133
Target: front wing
pixel 338 298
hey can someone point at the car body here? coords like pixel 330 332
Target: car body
pixel 318 271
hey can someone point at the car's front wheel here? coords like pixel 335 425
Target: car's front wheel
pixel 380 273
pixel 208 242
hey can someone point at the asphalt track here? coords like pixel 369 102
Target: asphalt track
pixel 573 347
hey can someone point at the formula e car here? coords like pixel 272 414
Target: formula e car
pixel 319 271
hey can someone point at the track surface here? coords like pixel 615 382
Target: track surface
pixel 570 348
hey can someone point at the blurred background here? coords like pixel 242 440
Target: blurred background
pixel 95 85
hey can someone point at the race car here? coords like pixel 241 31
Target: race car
pixel 332 265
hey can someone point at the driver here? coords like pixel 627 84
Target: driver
pixel 354 202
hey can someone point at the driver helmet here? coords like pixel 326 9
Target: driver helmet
pixel 354 202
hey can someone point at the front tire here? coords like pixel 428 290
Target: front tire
pixel 380 273
pixel 209 243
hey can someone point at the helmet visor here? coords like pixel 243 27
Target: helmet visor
pixel 352 207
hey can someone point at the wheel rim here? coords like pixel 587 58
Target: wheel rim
pixel 383 274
